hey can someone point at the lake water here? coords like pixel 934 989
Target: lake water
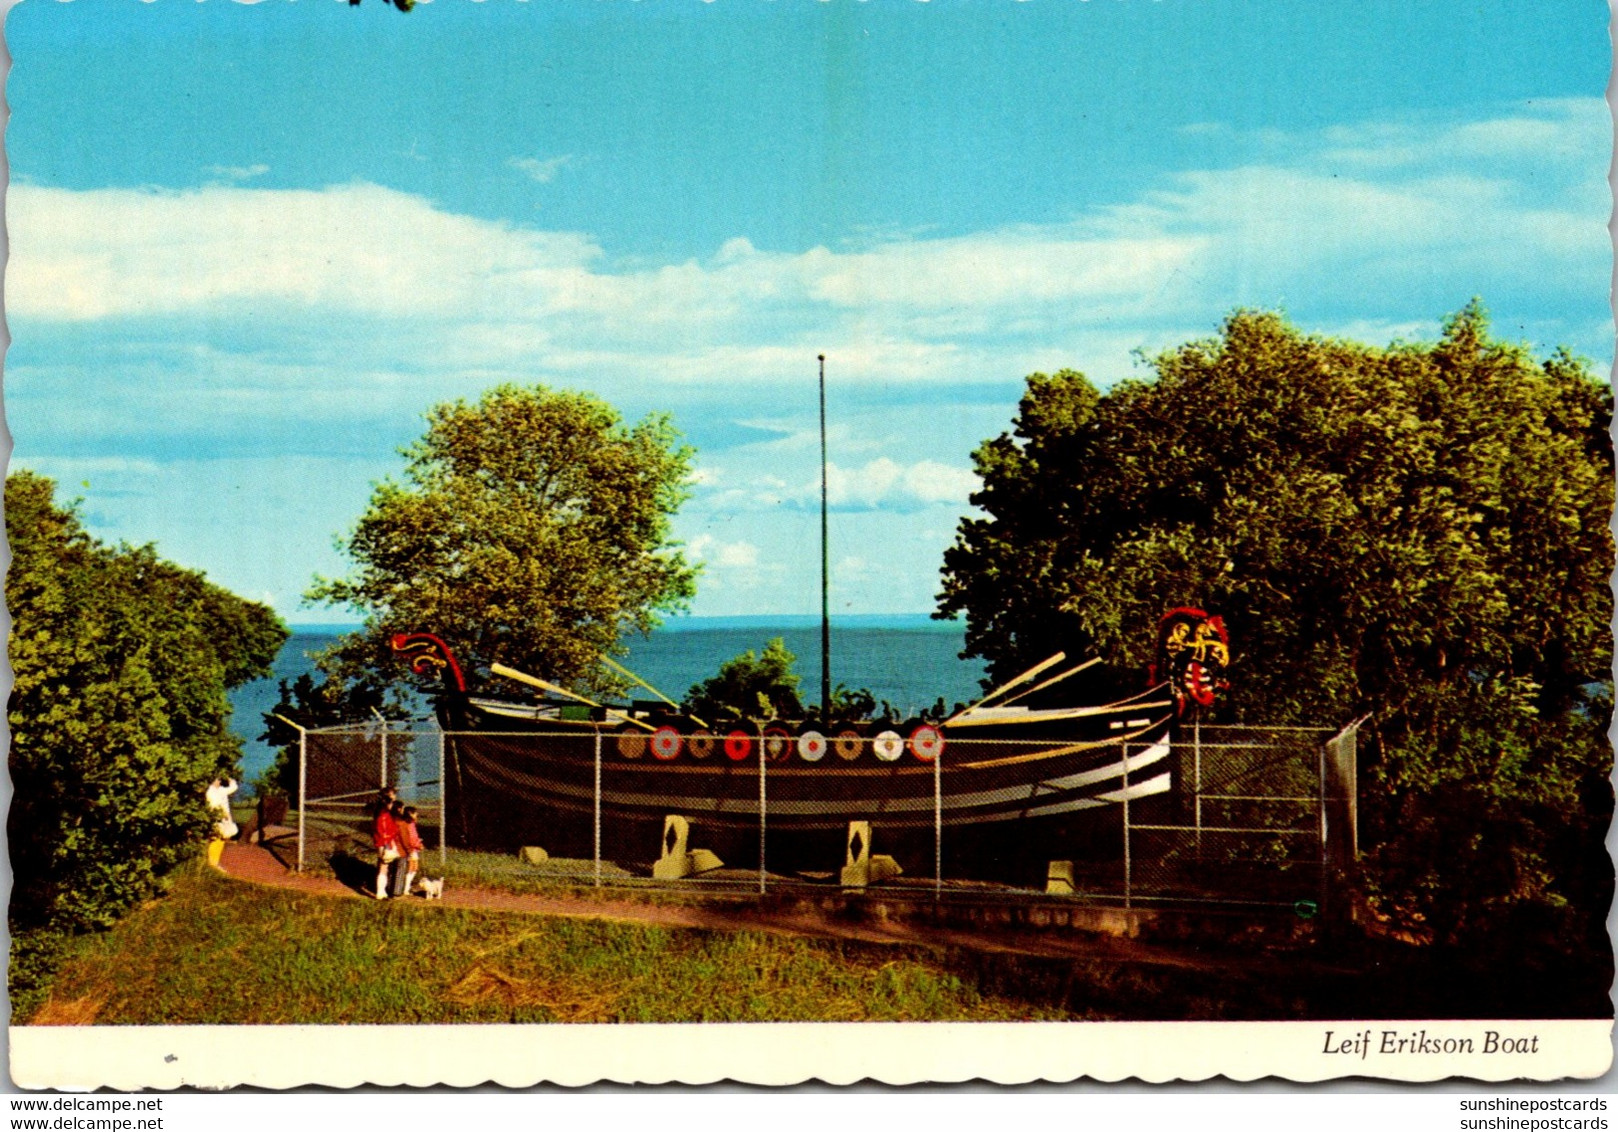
pixel 908 660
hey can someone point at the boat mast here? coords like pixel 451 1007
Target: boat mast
pixel 825 574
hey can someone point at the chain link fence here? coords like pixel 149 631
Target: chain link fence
pixel 1247 827
pixel 1231 815
pixel 341 772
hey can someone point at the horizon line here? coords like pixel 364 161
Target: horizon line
pixel 687 618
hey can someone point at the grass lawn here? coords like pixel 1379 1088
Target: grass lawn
pixel 216 950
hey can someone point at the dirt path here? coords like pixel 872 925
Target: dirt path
pixel 257 865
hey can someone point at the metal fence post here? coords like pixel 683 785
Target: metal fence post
pixel 1127 878
pixel 1196 795
pixel 938 824
pixel 443 806
pixel 761 761
pixel 303 792
pixel 1324 851
pixel 596 851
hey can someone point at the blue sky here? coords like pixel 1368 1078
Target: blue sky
pixel 251 244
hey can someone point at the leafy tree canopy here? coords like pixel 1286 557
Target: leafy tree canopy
pixel 761 687
pixel 118 711
pixel 1418 532
pixel 531 527
pixel 854 704
pixel 756 686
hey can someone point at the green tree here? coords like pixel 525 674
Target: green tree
pixel 1417 532
pixel 756 686
pixel 854 704
pixel 532 528
pixel 118 711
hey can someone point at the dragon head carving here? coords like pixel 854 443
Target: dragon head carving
pixel 1193 652
pixel 427 655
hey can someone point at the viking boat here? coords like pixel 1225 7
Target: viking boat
pixel 1017 756
pixel 999 761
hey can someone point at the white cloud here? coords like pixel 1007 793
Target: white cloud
pixel 885 482
pixel 221 251
pixel 724 555
pixel 358 302
pixel 1379 221
pixel 1553 136
pixel 542 170
pixel 325 321
pixel 238 172
pixel 997 269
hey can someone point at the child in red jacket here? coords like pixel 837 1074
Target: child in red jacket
pixel 410 846
pixel 385 836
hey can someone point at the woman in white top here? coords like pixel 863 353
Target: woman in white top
pixel 224 826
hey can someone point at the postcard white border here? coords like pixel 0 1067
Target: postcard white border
pixel 281 1057
pixel 285 1057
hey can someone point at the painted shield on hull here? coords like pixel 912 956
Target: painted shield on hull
pixel 631 743
pixel 811 746
pixel 926 742
pixel 665 743
pixel 888 746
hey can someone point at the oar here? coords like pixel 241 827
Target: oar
pixel 1053 680
pixel 546 685
pixel 1010 684
pixel 611 663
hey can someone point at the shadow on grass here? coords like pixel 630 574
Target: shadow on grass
pixel 354 872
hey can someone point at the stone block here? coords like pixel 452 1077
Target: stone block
pixel 703 861
pixel 860 866
pixel 677 860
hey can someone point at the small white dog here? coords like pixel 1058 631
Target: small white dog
pixel 432 889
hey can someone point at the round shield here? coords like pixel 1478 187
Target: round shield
pixel 888 746
pixel 847 743
pixel 811 746
pixel 631 743
pixel 665 743
pixel 777 742
pixel 738 745
pixel 927 742
pixel 700 744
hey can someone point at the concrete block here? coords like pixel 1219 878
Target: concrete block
pixel 1059 878
pixel 677 859
pixel 861 867
pixel 703 860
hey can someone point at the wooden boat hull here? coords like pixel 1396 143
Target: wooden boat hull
pixel 977 781
pixel 1001 802
pixel 580 778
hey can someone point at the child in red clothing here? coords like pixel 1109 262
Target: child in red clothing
pixel 385 836
pixel 410 846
